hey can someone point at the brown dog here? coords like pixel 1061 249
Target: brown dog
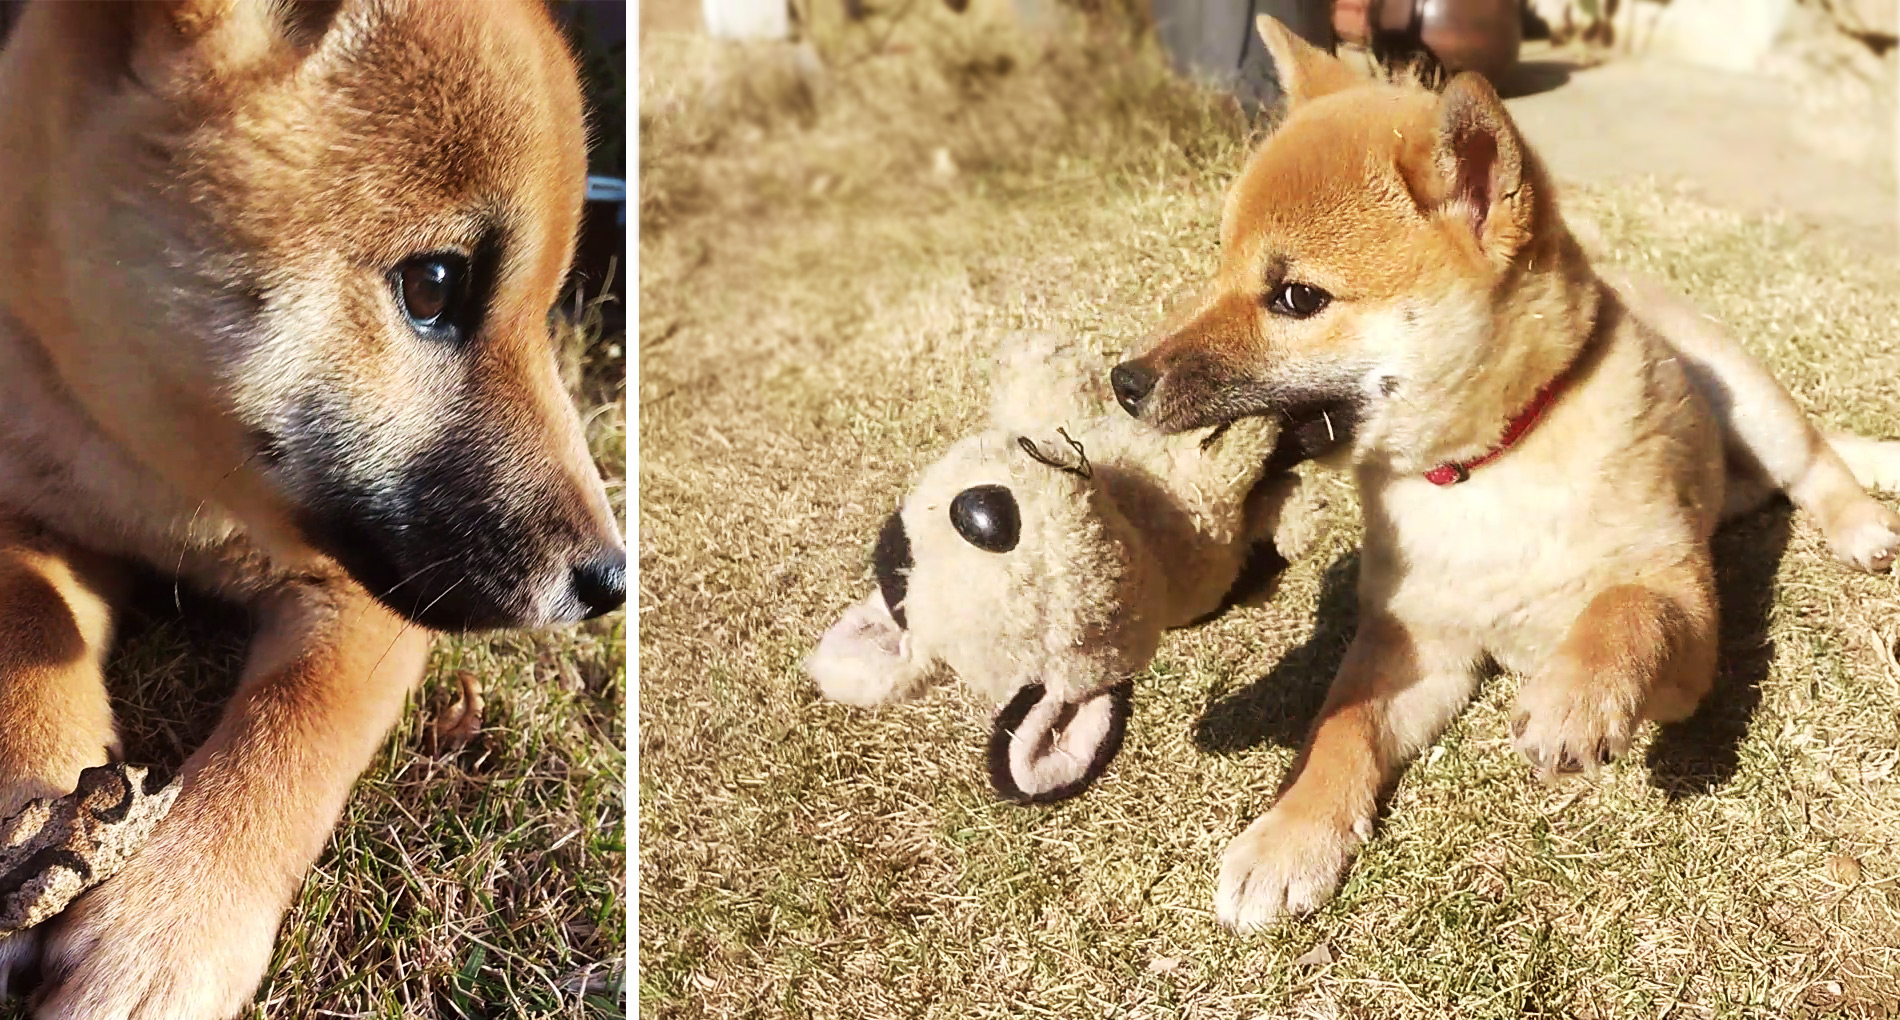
pixel 274 294
pixel 1542 456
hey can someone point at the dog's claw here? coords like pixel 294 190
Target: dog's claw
pixel 1563 731
pixel 1865 536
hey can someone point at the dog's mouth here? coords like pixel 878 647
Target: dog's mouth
pixel 1313 425
pixel 1313 431
pixel 442 593
pixel 450 544
pixel 1318 412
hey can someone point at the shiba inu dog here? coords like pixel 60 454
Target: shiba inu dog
pixel 274 291
pixel 1542 455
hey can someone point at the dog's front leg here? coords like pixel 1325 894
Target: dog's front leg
pixel 1637 651
pixel 55 716
pixel 1393 695
pixel 185 931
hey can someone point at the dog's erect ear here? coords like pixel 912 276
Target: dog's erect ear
pixel 1043 750
pixel 865 658
pixel 172 40
pixel 1484 166
pixel 1305 71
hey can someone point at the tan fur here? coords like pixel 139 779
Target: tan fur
pixel 206 367
pixel 52 648
pixel 54 625
pixel 1579 558
pixel 1153 534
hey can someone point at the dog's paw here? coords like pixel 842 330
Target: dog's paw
pixel 1866 536
pixel 1565 725
pixel 161 940
pixel 1286 863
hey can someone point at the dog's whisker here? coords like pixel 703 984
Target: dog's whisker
pixel 184 541
pixel 413 575
pixel 424 611
pixel 393 642
pixel 383 596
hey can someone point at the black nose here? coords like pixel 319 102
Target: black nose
pixel 1131 383
pixel 601 583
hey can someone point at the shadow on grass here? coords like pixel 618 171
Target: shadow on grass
pixel 1699 755
pixel 1279 708
pixel 172 669
pixel 1696 756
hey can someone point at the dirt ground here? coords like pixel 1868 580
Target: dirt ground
pixel 1751 143
pixel 832 243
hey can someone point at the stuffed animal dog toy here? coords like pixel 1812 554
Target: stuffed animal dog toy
pixel 1041 558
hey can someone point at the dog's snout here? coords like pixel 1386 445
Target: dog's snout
pixel 1132 382
pixel 601 583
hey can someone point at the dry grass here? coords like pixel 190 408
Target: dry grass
pixel 805 348
pixel 487 881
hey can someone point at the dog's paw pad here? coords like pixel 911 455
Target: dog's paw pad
pixel 1283 865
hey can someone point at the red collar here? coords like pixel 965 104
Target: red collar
pixel 1453 472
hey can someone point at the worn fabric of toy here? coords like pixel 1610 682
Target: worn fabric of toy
pixel 1041 559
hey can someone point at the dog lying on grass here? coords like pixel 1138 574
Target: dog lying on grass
pixel 274 293
pixel 1541 455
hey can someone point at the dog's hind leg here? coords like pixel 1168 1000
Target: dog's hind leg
pixel 1768 437
pixel 184 931
pixel 55 717
pixel 1874 462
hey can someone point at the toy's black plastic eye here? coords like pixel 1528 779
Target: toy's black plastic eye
pixel 986 517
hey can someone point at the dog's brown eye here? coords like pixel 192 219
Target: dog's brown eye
pixel 429 286
pixel 1297 300
pixel 425 290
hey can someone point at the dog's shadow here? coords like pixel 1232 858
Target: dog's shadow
pixel 1699 755
pixel 1279 708
pixel 1696 756
pixel 173 669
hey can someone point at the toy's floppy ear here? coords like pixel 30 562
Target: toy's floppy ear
pixel 1283 508
pixel 1043 750
pixel 865 658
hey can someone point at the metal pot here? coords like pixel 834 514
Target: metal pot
pixel 1463 35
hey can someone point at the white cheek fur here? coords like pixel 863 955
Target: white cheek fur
pixel 1449 328
pixel 1443 338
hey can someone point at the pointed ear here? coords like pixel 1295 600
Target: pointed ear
pixel 865 658
pixel 1305 71
pixel 1485 167
pixel 189 40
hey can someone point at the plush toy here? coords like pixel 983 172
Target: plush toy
pixel 55 848
pixel 1041 558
